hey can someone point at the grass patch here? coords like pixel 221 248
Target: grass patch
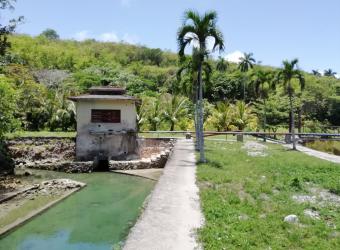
pixel 332 147
pixel 244 199
pixel 40 134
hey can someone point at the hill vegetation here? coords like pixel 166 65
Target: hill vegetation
pixel 38 74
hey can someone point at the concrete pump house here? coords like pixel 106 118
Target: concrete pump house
pixel 106 125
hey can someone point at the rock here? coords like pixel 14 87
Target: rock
pixel 264 197
pixel 243 217
pixel 292 218
pixel 312 214
pixel 263 216
pixel 334 234
pixel 27 173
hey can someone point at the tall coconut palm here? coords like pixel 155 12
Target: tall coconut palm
pixel 329 72
pixel 189 69
pixel 196 30
pixel 246 62
pixel 189 66
pixel 286 75
pixel 222 65
pixel 260 79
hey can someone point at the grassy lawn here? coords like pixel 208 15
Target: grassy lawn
pixel 245 199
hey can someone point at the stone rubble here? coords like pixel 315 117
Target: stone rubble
pixel 312 214
pixel 318 196
pixel 58 155
pixel 255 149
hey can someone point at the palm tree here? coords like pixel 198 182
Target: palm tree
pixel 189 86
pixel 288 73
pixel 260 78
pixel 196 29
pixel 189 68
pixel 154 114
pixel 329 72
pixel 221 117
pixel 244 116
pixel 316 72
pixel 222 65
pixel 175 108
pixel 247 62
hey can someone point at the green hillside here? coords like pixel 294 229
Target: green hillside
pixel 38 74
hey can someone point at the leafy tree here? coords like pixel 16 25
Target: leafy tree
pixel 285 76
pixel 226 86
pixel 50 34
pixel 8 98
pixel 33 103
pixel 247 62
pixel 277 110
pixel 6 30
pixel 197 28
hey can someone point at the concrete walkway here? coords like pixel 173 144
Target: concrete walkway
pixel 173 213
pixel 315 153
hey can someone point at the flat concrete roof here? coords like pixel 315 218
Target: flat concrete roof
pixel 102 97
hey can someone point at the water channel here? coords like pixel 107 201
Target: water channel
pixel 97 217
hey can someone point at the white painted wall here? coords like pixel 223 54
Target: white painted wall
pixel 119 145
pixel 127 108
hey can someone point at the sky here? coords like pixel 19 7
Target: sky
pixel 273 30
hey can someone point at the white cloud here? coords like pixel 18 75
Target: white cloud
pixel 337 76
pixel 234 56
pixel 82 35
pixel 105 37
pixel 131 39
pixel 108 37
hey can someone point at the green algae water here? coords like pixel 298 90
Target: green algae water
pixel 97 217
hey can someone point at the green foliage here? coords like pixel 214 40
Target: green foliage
pixel 238 116
pixel 332 147
pixel 44 72
pixel 8 97
pixel 6 30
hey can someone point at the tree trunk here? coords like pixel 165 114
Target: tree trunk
pixel 300 119
pixel 172 126
pixel 264 119
pixel 200 113
pixel 197 145
pixel 292 120
pixel 244 89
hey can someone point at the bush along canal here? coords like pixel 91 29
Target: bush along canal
pixel 97 217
